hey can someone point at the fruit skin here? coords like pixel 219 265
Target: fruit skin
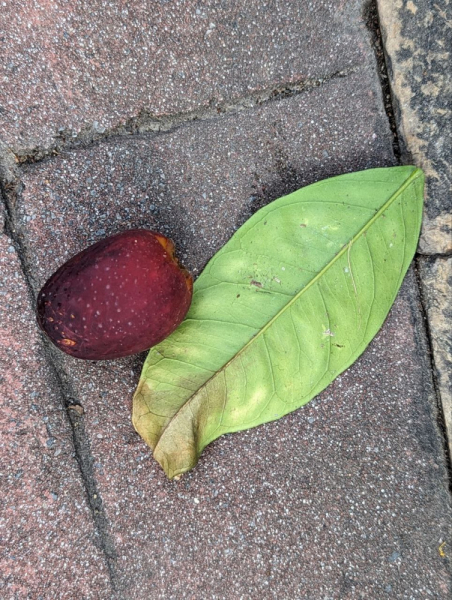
pixel 118 297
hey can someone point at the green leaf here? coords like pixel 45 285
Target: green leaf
pixel 284 307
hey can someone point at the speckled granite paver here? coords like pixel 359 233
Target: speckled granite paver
pixel 72 66
pixel 347 497
pixel 48 544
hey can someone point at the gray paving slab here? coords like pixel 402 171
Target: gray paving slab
pixel 85 67
pixel 418 39
pixel 49 547
pixel 436 277
pixel 346 498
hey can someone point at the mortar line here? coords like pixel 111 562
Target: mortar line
pixel 440 416
pixel 148 123
pixel 372 19
pixel 374 26
pixel 79 438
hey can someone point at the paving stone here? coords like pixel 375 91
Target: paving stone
pixel 220 170
pixel 71 67
pixel 346 497
pixel 418 41
pixel 49 548
pixel 436 277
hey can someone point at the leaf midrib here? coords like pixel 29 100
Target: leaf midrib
pixel 313 281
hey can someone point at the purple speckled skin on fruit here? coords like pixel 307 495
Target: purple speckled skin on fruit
pixel 116 298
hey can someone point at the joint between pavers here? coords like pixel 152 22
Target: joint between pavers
pixel 8 190
pixel 372 20
pixel 85 462
pixel 148 123
pixel 440 417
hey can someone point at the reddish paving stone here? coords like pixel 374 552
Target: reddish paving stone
pixel 199 182
pixel 48 546
pixel 69 66
pixel 345 498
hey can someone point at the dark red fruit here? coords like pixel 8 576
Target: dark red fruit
pixel 118 297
